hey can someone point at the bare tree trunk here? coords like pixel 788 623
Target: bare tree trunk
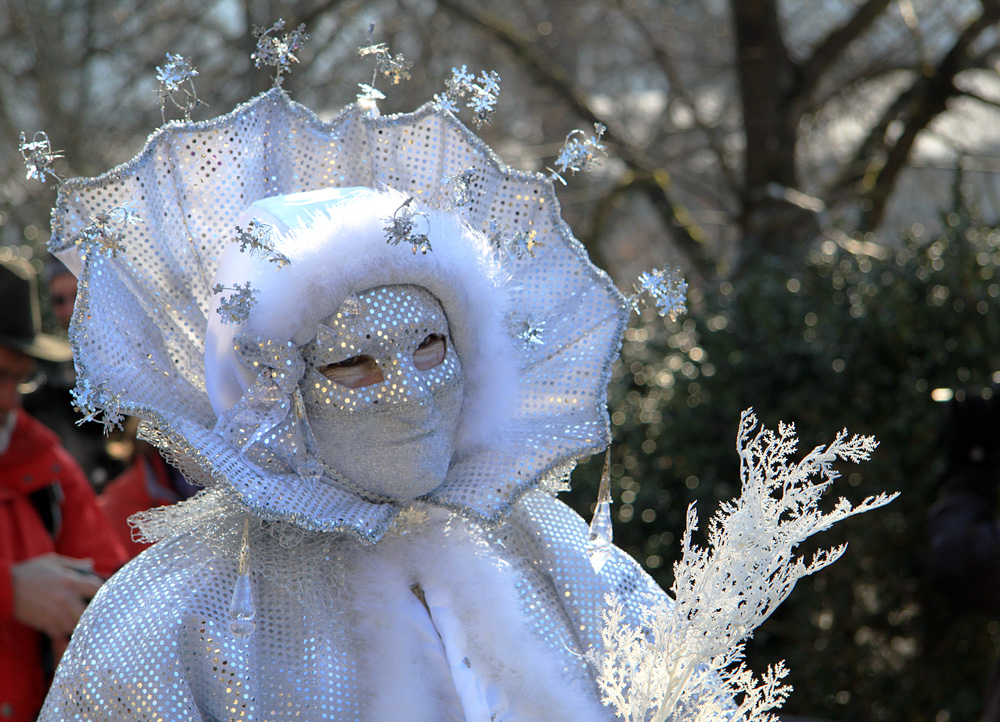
pixel 773 225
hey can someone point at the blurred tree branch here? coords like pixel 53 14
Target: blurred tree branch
pixel 829 50
pixel 924 100
pixel 645 176
pixel 678 87
pixel 776 93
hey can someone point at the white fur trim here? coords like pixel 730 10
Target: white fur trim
pixel 466 584
pixel 340 250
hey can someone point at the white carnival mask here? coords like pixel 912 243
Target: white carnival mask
pixel 382 390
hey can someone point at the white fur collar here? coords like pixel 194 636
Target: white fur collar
pixel 472 603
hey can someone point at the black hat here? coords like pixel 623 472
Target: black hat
pixel 20 318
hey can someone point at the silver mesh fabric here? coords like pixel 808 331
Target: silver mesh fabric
pixel 155 644
pixel 140 321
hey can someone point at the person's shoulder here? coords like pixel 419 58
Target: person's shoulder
pixel 35 458
pixel 162 574
pixel 33 439
pixel 60 462
pixel 30 430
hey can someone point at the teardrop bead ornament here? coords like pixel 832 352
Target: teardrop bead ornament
pixel 241 608
pixel 599 543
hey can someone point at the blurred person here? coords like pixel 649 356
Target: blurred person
pixel 62 293
pixel 50 401
pixel 55 545
pixel 147 483
pixel 963 526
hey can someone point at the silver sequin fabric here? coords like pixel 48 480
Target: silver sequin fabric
pixel 155 644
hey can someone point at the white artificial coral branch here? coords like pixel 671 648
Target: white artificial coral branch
pixel 683 661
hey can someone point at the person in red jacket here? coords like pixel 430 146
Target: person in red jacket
pixel 56 546
pixel 148 482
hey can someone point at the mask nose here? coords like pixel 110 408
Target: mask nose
pixel 423 414
pixel 418 408
pixel 411 385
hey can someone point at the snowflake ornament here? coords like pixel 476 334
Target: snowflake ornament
pixel 531 332
pixel 106 231
pixel 84 400
pixel 278 51
pixel 258 240
pixel 462 187
pixel 445 102
pixel 517 242
pixel 97 404
pixel 235 309
pixel 368 98
pixel 408 226
pixel 395 68
pixel 480 94
pixel 176 79
pixel 666 289
pixel 38 156
pixel 460 81
pixel 578 153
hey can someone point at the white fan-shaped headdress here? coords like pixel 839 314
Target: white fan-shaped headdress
pixel 146 301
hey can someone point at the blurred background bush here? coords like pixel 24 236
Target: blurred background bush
pixel 868 340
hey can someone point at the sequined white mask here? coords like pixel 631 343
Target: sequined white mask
pixel 383 392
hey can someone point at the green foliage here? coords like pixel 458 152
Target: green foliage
pixel 857 338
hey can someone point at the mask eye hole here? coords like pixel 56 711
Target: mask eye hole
pixel 355 372
pixel 430 352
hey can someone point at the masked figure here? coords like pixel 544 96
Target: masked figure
pixel 381 420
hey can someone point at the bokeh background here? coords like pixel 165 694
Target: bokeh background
pixel 826 173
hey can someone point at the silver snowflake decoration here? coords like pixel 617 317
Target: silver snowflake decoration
pixel 85 401
pixel 235 309
pixel 408 226
pixel 112 417
pixel 446 102
pixel 176 78
pixel 578 153
pixel 516 242
pixel 460 81
pixel 531 332
pixel 395 68
pixel 368 98
pixel 484 97
pixel 257 239
pixel 38 156
pixel 97 404
pixel 462 187
pixel 480 94
pixel 666 289
pixel 278 51
pixel 106 231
